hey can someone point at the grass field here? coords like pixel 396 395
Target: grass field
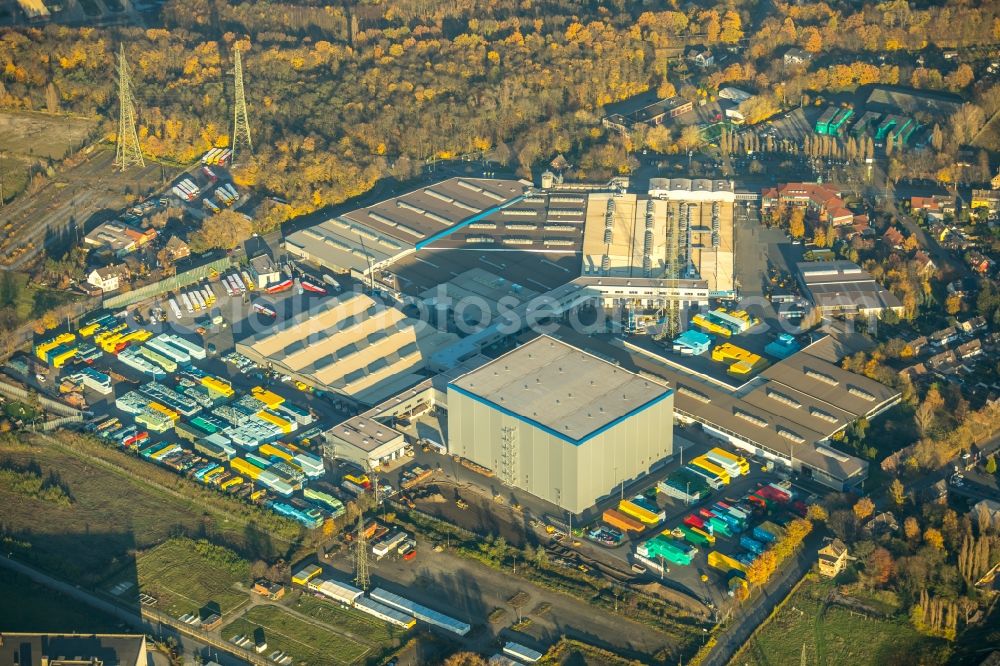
pixel 40 609
pixel 306 642
pixel 352 621
pixel 832 635
pixel 184 581
pixel 111 517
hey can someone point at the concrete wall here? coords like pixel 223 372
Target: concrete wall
pixel 571 476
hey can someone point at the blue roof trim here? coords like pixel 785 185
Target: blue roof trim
pixel 464 223
pixel 667 392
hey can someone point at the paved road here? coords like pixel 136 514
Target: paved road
pixel 127 615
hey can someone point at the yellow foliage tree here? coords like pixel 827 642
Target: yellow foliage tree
pixel 863 508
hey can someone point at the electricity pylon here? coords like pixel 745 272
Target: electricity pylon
pixel 361 576
pixel 128 151
pixel 241 120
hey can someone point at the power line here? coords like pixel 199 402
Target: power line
pixel 128 152
pixel 361 576
pixel 241 119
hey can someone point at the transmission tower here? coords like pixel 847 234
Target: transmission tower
pixel 361 576
pixel 128 151
pixel 508 455
pixel 241 120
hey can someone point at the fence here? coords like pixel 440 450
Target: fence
pixel 19 393
pixel 175 282
pixel 49 426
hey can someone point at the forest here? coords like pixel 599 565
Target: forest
pixel 342 95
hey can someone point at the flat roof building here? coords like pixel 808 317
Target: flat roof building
pixel 353 345
pixel 25 649
pixel 560 423
pixel 372 237
pixel 365 441
pixel 844 288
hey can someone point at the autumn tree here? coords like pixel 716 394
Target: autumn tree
pixel 816 513
pixel 897 493
pixel 953 304
pixel 465 659
pixel 225 230
pixel 879 566
pixel 762 568
pixel 863 508
pixel 911 528
pixel 797 222
pixel 690 138
pixel 732 28
pixel 991 465
pixel 934 538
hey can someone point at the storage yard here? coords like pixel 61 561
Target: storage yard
pixel 163 396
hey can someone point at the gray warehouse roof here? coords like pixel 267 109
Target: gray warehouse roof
pixel 561 389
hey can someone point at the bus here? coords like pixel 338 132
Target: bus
pixel 187 302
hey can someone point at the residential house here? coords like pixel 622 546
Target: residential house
pixel 986 199
pixel 943 362
pixel 109 278
pixel 974 325
pixel 935 207
pixel 796 56
pixel 883 523
pixel 893 238
pixel 177 248
pixel 979 262
pixel 915 372
pixel 832 558
pixel 924 264
pixel 269 589
pixel 944 337
pixel 700 56
pixel 970 349
pixel 918 345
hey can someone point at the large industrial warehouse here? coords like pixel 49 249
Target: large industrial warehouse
pixel 353 346
pixel 562 424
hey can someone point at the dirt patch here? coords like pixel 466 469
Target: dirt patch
pixel 468 509
pixel 676 598
pixel 40 135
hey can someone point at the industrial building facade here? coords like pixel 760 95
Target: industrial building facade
pixel 559 423
pixel 681 231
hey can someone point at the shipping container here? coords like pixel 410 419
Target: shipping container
pixel 621 521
